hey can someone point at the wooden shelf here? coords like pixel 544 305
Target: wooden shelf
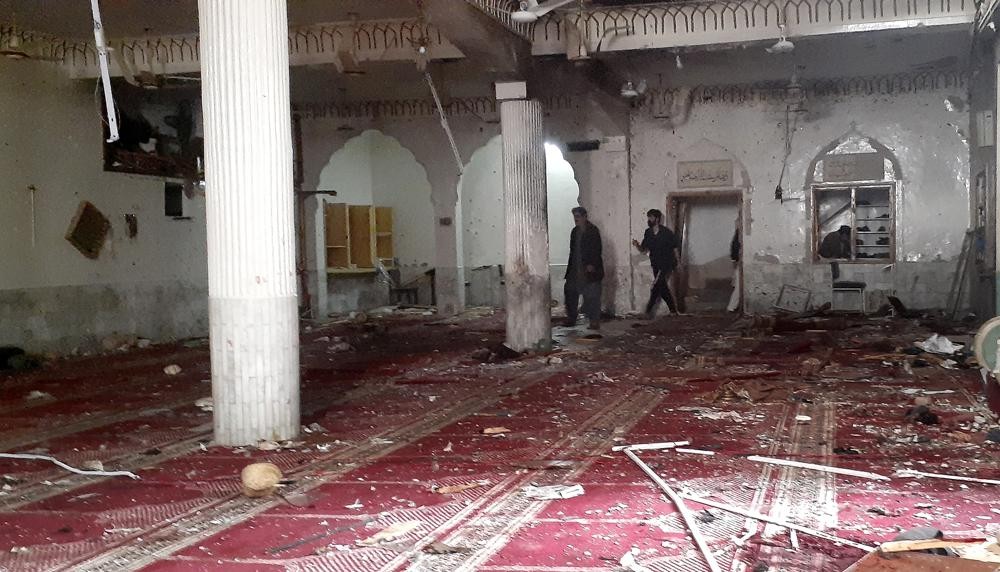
pixel 357 237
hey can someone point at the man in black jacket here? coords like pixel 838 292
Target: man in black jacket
pixel 585 271
pixel 661 243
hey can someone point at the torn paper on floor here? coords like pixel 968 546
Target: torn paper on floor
pixel 628 563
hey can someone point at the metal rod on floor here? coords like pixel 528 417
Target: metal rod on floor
pixel 679 503
pixel 823 468
pixel 774 521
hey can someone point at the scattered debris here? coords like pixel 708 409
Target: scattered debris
pixel 172 369
pixel 267 445
pixel 629 564
pixel 393 532
pixel 544 465
pixel 554 360
pixel 650 446
pixel 97 473
pixel 496 354
pixel 35 394
pixel 755 391
pixel 775 521
pixel 495 430
pixel 553 492
pixel 923 414
pixel 442 548
pixel 450 490
pixel 260 479
pixel 206 404
pixel 706 552
pixel 937 344
pixel 95 466
pixel 823 468
pixel 907 473
pixel 694 451
pixel 356 505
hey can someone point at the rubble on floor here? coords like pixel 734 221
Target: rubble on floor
pixel 799 443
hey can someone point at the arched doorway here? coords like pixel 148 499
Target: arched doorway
pixel 375 169
pixel 480 192
pixel 705 201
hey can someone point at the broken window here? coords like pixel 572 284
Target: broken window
pixel 854 222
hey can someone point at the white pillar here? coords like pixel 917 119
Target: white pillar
pixel 526 272
pixel 251 242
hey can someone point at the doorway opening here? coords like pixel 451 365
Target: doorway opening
pixel 708 280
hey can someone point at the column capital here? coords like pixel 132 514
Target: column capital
pixel 511 90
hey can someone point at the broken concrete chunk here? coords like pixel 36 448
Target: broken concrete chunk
pixel 172 369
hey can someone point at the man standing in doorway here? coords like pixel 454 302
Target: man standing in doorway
pixel 661 243
pixel 736 253
pixel 585 271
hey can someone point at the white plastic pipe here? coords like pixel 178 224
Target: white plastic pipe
pixel 685 513
pixel 823 468
pixel 29 457
pixel 781 523
pixel 102 55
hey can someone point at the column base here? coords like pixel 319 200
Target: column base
pixel 255 369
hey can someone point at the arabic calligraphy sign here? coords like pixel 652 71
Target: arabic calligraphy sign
pixel 700 174
pixel 853 167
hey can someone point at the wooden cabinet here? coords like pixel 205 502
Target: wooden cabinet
pixel 356 237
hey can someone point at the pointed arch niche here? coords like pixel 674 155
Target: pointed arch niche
pixel 373 168
pixel 854 182
pixel 481 207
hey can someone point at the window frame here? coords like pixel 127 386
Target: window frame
pixel 817 238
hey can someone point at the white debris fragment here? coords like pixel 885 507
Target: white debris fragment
pixel 938 344
pixel 206 404
pixel 448 447
pixel 172 369
pixel 356 505
pixel 553 492
pixel 37 395
pixel 267 445
pixel 629 564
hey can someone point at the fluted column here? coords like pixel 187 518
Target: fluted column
pixel 251 248
pixel 526 272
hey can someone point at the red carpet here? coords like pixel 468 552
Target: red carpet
pixel 401 419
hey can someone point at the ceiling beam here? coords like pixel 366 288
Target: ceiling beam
pixel 482 38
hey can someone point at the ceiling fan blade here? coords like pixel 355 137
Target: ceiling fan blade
pixel 543 9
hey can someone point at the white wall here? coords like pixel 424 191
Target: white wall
pixel 375 169
pixel 51 296
pixel 928 138
pixel 481 192
pixel 710 233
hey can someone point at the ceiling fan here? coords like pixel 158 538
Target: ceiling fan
pixel 782 46
pixel 15 47
pixel 530 10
